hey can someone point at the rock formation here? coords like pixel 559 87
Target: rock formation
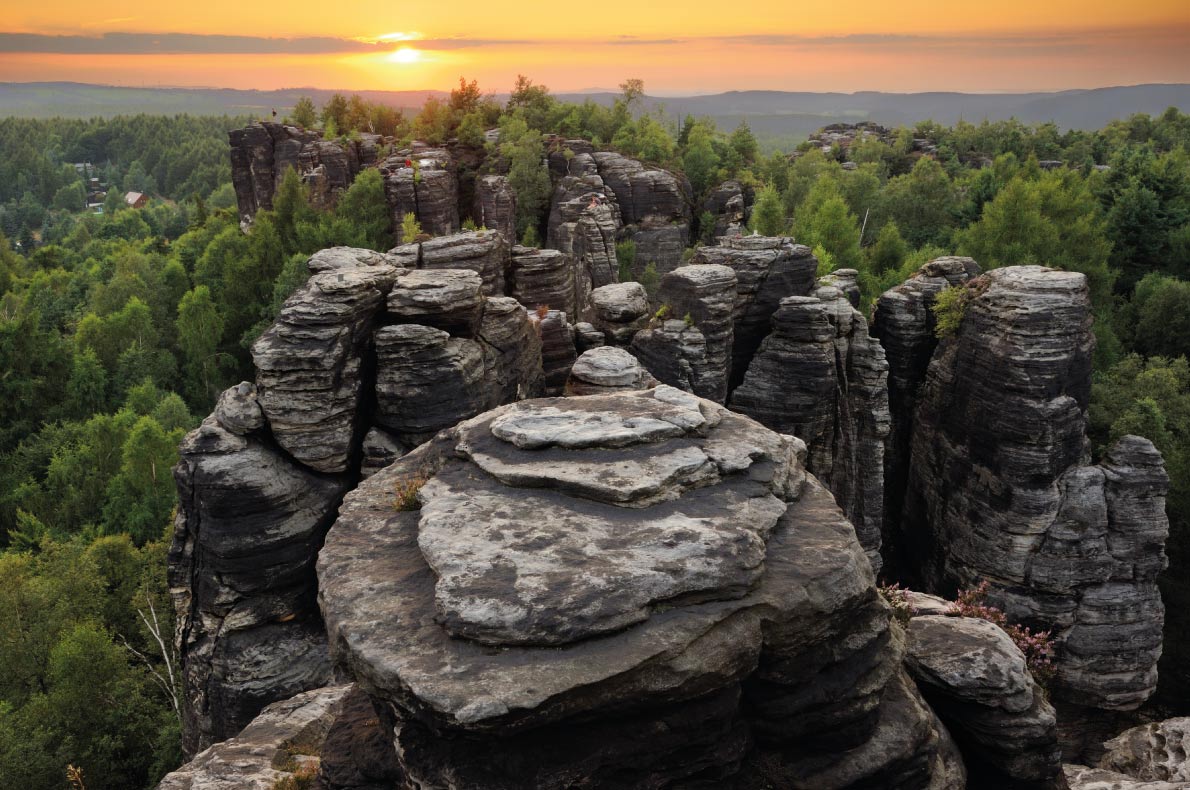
pixel 999 488
pixel 422 183
pixel 976 679
pixel 903 322
pixel 604 370
pixel 767 270
pixel 729 204
pixel 708 613
pixel 822 378
pixel 558 352
pixel 545 278
pixel 619 311
pixel 495 205
pixel 1151 752
pixel 281 743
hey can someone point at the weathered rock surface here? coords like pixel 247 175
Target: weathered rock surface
pixel 483 251
pixel 1150 752
pixel 379 449
pixel 495 205
pixel 583 222
pixel 822 378
pixel 308 363
pixel 428 189
pixel 644 193
pixel 545 277
pixel 903 322
pixel 282 740
pixel 676 354
pixel 618 310
pixel 767 270
pixel 604 370
pixel 659 244
pixel 709 613
pixel 706 293
pixel 728 203
pixel 357 754
pixel 998 489
pixel 976 680
pixel 241 577
pixel 446 299
pixel 558 352
pixel 1080 777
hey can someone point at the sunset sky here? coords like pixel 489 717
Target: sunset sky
pixel 676 47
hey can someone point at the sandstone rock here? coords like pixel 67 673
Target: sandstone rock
pixel 583 223
pixel 767 270
pixel 976 679
pixel 676 354
pixel 544 277
pixel 1080 777
pixel 357 754
pixel 1156 751
pixel 426 380
pixel 705 293
pixel 822 378
pixel 661 245
pixel 587 337
pixel 607 369
pixel 728 203
pixel 429 191
pixel 903 322
pixel 558 352
pixel 547 522
pixel 619 311
pixel 847 281
pixel 248 528
pixel 512 352
pixel 275 745
pixel 643 192
pixel 446 299
pixel 482 251
pixel 495 205
pixel 238 410
pixel 260 154
pixel 335 259
pixel 308 363
pixel 379 449
pixel 998 489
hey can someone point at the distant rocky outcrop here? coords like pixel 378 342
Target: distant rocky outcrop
pixel 495 205
pixel 1000 487
pixel 779 667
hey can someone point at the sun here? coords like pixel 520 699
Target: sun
pixel 405 55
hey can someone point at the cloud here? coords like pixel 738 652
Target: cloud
pixel 196 44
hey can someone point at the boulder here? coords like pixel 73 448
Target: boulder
pixel 280 745
pixel 1080 777
pixel 822 378
pixel 618 310
pixel 767 270
pixel 1150 752
pixel 544 278
pixel 607 369
pixel 640 589
pixel 999 490
pixel 977 681
pixel 379 449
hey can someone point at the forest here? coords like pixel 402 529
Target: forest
pixel 119 328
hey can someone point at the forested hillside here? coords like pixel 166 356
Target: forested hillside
pixel 118 329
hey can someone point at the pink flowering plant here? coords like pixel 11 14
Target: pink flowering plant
pixel 897 597
pixel 1037 646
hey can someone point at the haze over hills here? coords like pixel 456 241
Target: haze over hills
pixel 770 113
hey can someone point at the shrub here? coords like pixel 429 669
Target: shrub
pixel 662 313
pixel 650 279
pixel 302 778
pixel 410 227
pixel 530 237
pixel 625 257
pixel 1037 646
pixel 950 305
pixel 407 490
pixel 897 597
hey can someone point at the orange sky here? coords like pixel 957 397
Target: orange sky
pixel 676 47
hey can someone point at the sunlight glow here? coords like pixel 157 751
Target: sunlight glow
pixel 405 55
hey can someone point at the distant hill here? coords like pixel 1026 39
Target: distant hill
pixel 771 114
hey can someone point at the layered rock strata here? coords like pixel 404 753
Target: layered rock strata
pixel 999 489
pixel 558 352
pixel 903 321
pixel 822 378
pixel 601 371
pixel 619 311
pixel 767 270
pixel 422 183
pixel 495 205
pixel 642 589
pixel 545 278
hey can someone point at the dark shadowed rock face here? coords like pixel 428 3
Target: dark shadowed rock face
pixel 767 270
pixel 998 487
pixel 495 205
pixel 822 378
pixel 976 679
pixel 904 323
pixel 241 574
pixel 558 352
pixel 708 611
